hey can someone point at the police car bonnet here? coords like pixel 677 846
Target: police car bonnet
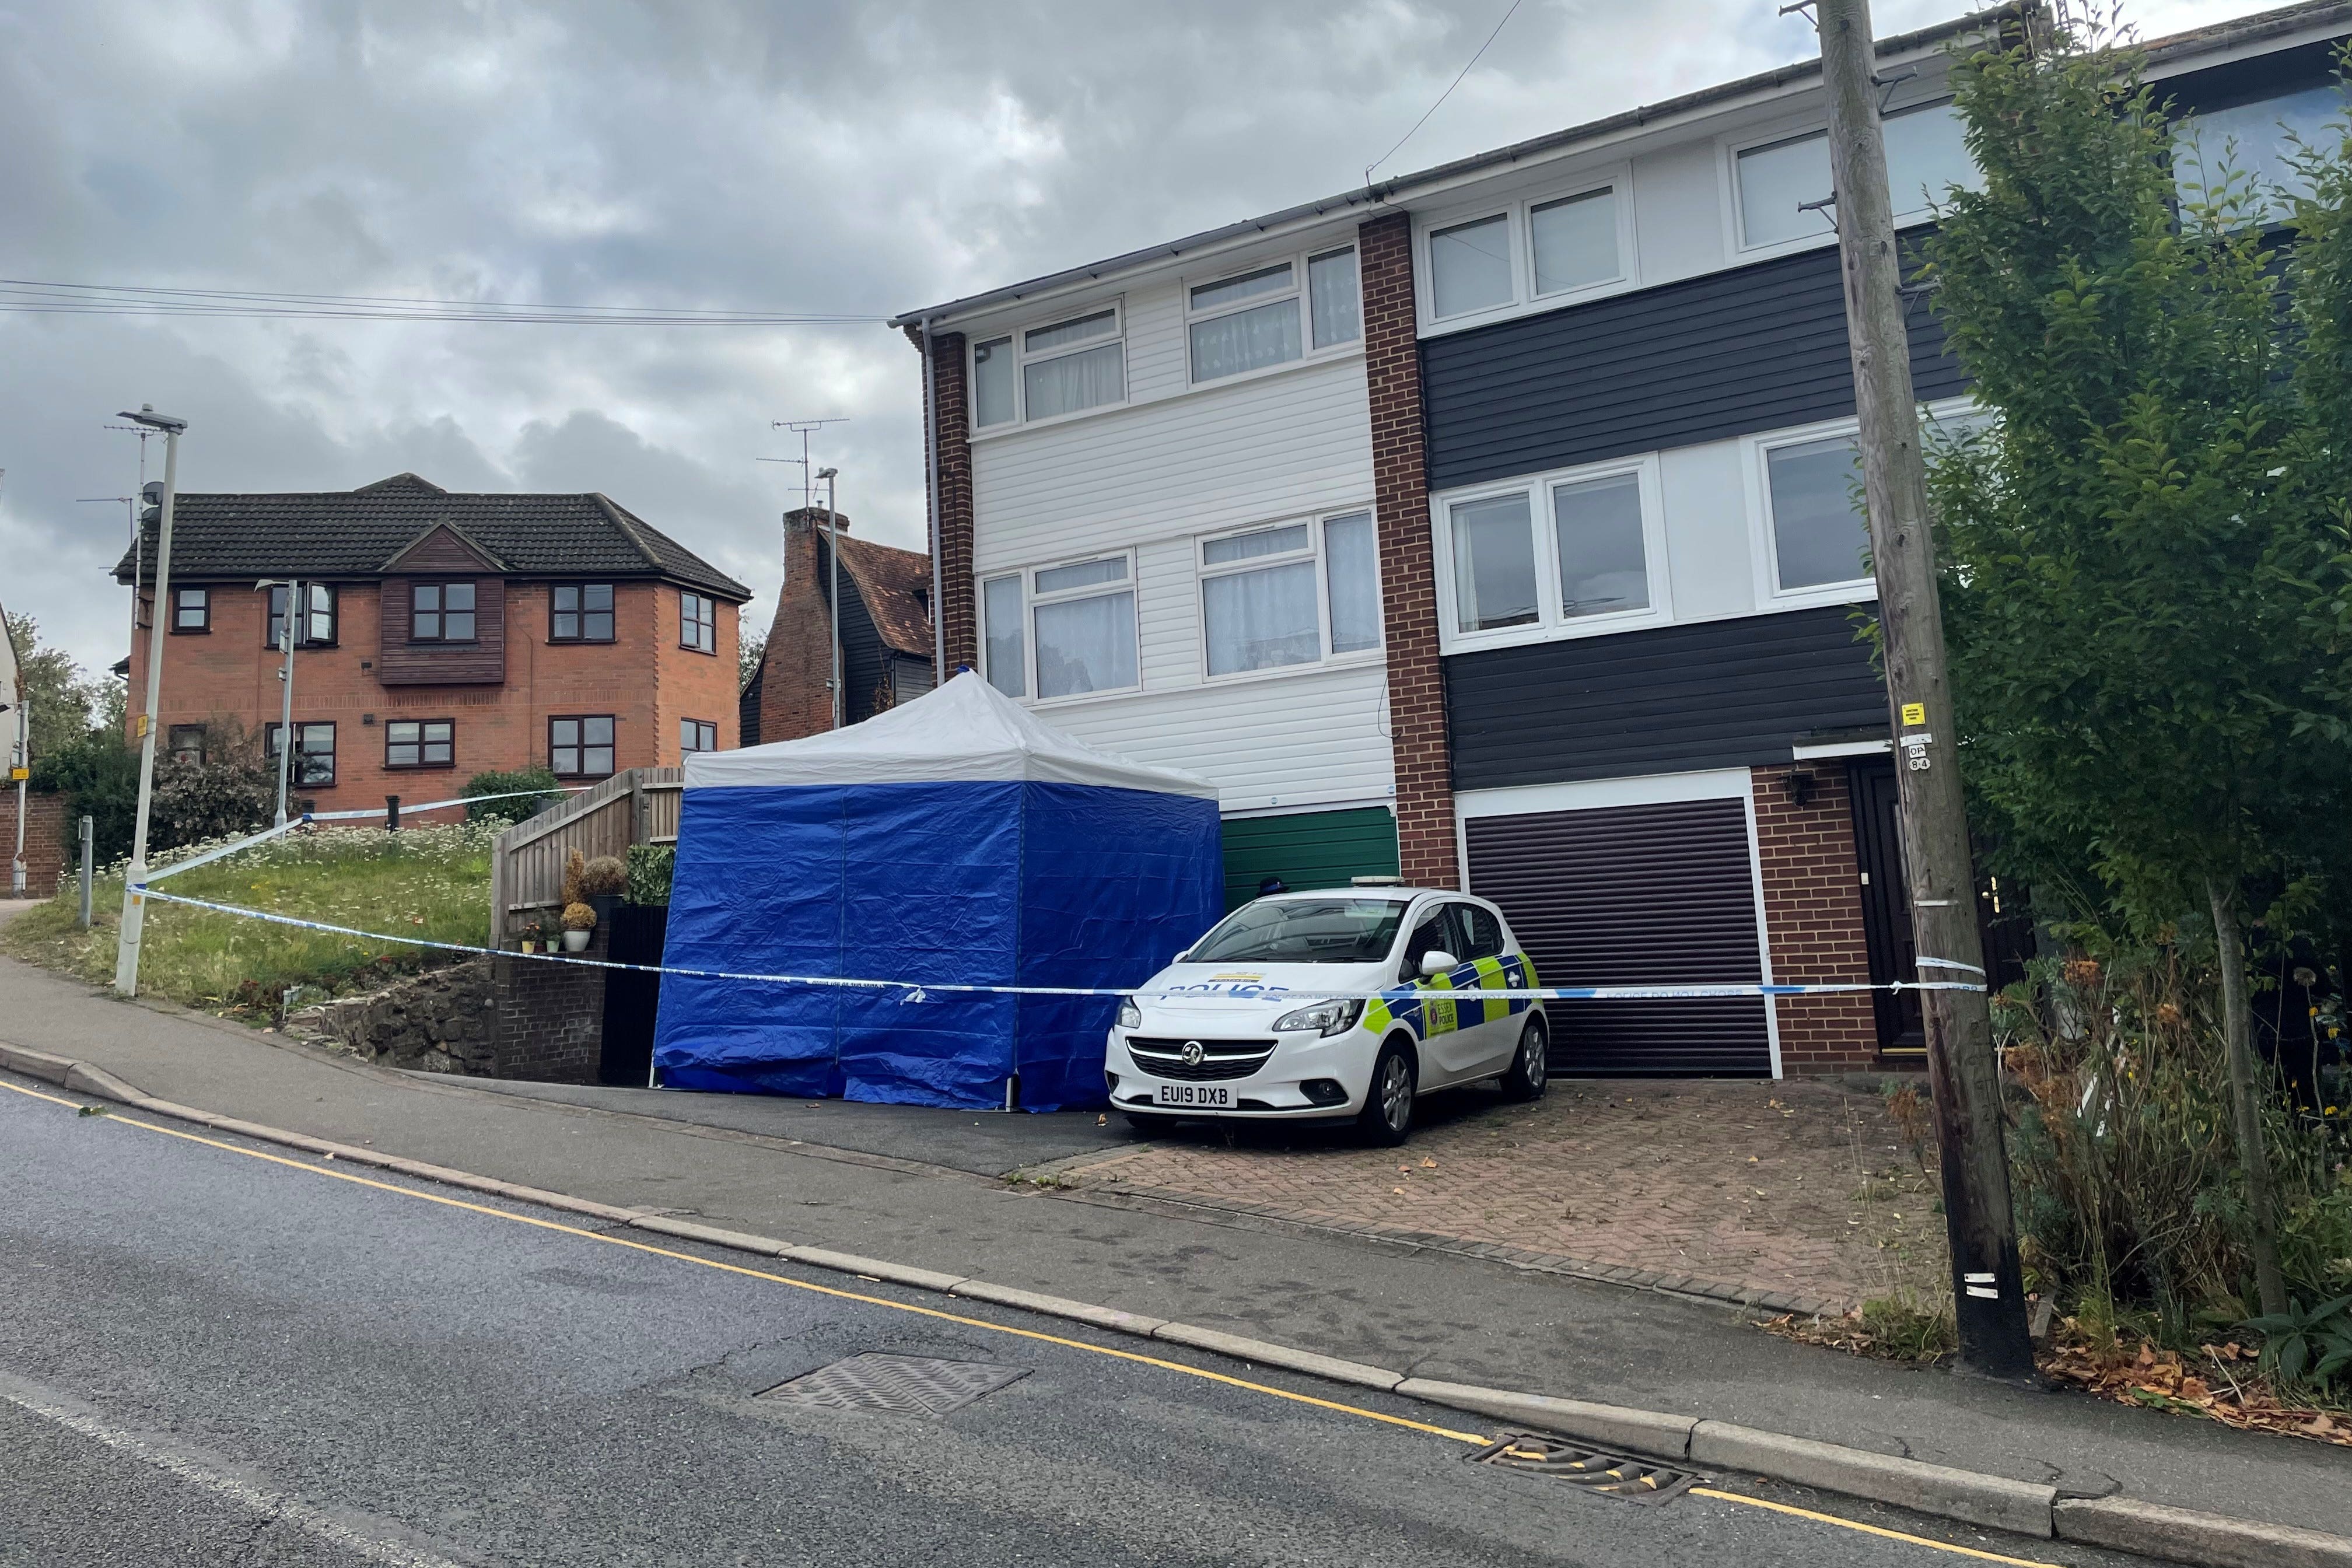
pixel 966 731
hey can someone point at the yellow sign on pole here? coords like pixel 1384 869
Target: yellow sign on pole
pixel 1915 713
pixel 16 774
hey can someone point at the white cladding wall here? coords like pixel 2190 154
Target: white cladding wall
pixel 1154 478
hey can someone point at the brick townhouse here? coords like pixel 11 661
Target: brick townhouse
pixel 1493 524
pixel 441 635
pixel 885 629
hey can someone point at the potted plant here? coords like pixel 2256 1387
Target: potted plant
pixel 532 934
pixel 578 924
pixel 603 881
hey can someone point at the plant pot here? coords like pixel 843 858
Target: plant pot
pixel 529 944
pixel 604 904
pixel 576 941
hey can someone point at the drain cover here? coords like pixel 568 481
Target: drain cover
pixel 1614 1475
pixel 907 1384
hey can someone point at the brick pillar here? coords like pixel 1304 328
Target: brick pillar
pixel 794 698
pixel 1812 911
pixel 1424 781
pixel 958 618
pixel 51 845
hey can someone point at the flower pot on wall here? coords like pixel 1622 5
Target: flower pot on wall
pixel 604 904
pixel 576 941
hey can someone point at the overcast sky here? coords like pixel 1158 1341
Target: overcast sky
pixel 822 158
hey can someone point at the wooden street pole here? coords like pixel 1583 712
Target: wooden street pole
pixel 1963 1071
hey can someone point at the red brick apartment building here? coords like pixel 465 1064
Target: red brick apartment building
pixel 441 635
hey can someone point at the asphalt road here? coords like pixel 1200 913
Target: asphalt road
pixel 213 1354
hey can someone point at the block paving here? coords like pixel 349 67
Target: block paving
pixel 1790 1196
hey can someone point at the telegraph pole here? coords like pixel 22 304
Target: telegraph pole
pixel 134 903
pixel 1963 1071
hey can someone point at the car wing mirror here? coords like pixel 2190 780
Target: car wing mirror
pixel 1435 964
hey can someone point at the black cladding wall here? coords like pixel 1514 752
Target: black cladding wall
pixel 1730 353
pixel 1710 694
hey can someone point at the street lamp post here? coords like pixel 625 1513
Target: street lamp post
pixel 833 550
pixel 288 639
pixel 126 951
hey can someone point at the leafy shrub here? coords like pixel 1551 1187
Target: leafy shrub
pixel 99 775
pixel 530 790
pixel 579 917
pixel 650 868
pixel 604 874
pixel 232 792
pixel 2311 1345
pixel 575 870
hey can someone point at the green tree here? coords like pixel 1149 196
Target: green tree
pixel 63 705
pixel 2135 564
pixel 750 650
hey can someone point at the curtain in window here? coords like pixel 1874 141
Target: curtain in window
pixel 1001 606
pixel 1258 542
pixel 1246 340
pixel 1257 620
pixel 1076 381
pixel 1339 309
pixel 1086 644
pixel 1351 565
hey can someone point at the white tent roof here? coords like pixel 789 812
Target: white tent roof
pixel 966 731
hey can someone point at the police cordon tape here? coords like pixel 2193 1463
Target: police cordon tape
pixel 221 851
pixel 919 991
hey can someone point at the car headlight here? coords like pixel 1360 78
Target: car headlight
pixel 1130 1016
pixel 1335 1018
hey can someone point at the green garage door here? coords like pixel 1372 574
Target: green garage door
pixel 1310 849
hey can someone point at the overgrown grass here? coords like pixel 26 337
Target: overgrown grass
pixel 429 882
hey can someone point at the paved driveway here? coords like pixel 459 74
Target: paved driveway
pixel 1786 1195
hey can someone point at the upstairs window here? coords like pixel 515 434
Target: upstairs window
pixel 1470 265
pixel 2256 140
pixel 696 735
pixel 1270 598
pixel 1538 249
pixel 698 622
pixel 1042 372
pixel 1274 314
pixel 1557 555
pixel 581 612
pixel 1574 241
pixel 191 610
pixel 1820 535
pixel 441 612
pixel 1061 631
pixel 316 626
pixel 1927 154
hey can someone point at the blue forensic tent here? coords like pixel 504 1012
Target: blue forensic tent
pixel 954 840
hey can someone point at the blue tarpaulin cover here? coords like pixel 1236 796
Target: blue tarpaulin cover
pixel 954 840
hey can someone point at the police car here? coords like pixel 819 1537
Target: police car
pixel 1244 1023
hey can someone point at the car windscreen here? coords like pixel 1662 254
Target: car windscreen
pixel 1304 931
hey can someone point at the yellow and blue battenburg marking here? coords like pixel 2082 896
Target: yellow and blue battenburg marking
pixel 1444 1014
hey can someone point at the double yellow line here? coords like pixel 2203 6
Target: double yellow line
pixel 1474 1438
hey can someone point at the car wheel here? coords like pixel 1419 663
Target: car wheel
pixel 1530 1070
pixel 1387 1115
pixel 1150 1126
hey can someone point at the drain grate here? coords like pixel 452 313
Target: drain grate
pixel 1594 1470
pixel 906 1384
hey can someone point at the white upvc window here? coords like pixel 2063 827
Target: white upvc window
pixel 1780 183
pixel 1067 630
pixel 1288 593
pixel 1059 367
pixel 2257 139
pixel 1570 553
pixel 1809 532
pixel 1299 307
pixel 1556 245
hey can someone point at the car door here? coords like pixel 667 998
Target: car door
pixel 1446 1053
pixel 1490 1030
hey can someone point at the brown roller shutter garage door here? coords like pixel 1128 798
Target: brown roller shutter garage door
pixel 1634 895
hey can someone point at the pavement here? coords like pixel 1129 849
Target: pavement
pixel 213 1354
pixel 1435 1312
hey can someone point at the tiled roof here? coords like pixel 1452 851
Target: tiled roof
pixel 896 585
pixel 354 533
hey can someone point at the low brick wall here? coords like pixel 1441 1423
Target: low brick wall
pixel 46 835
pixel 509 1016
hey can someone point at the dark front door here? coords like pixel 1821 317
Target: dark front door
pixel 631 996
pixel 1886 908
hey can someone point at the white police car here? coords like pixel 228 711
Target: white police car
pixel 1243 1023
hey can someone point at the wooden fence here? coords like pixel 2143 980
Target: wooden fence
pixel 638 806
